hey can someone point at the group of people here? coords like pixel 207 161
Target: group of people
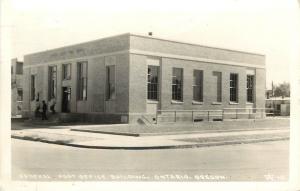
pixel 44 107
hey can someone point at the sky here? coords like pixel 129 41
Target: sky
pixel 260 26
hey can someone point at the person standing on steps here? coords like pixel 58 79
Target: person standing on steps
pixel 44 113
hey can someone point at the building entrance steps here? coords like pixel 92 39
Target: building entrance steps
pixel 52 119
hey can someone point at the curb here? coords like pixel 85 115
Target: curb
pixel 209 144
pixel 108 132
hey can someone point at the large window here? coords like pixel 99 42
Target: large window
pixel 82 81
pixel 152 83
pixel 32 88
pixel 198 86
pixel 66 71
pixel 177 84
pixel 234 87
pixel 110 82
pixel 218 81
pixel 52 82
pixel 250 88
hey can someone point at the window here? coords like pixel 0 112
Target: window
pixel 32 88
pixel 177 84
pixel 218 80
pixel 234 87
pixel 110 82
pixel 250 88
pixel 66 71
pixel 198 86
pixel 20 95
pixel 19 68
pixel 52 82
pixel 82 81
pixel 153 82
pixel 11 69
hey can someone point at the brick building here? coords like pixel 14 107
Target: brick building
pixel 129 77
pixel 16 87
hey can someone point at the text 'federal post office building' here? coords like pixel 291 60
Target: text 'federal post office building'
pixel 129 77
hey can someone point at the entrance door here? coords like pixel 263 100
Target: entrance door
pixel 66 100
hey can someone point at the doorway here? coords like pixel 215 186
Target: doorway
pixel 66 100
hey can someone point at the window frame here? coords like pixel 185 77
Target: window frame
pixel 52 86
pixel 252 88
pixel 64 76
pixel 82 80
pixel 234 88
pixel 153 93
pixel 198 85
pixel 110 95
pixel 32 86
pixel 175 97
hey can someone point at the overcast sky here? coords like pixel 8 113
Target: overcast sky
pixel 262 26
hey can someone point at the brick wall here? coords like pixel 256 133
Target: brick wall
pixel 137 84
pixel 95 86
pixel 260 84
pixel 138 79
pixel 170 47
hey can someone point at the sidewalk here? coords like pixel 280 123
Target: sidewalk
pixel 68 137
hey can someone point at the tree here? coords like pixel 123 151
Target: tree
pixel 282 90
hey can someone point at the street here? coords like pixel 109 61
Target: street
pixel 266 161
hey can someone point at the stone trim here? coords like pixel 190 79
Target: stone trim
pixel 158 54
pixel 77 59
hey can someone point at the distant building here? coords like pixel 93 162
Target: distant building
pixel 280 106
pixel 16 87
pixel 129 77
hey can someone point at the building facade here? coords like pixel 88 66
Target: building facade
pixel 16 88
pixel 129 77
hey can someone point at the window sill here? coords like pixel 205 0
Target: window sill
pixel 197 103
pixel 249 103
pixel 233 103
pixel 216 103
pixel 177 102
pixel 152 101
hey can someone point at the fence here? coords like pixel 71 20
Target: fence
pixel 212 115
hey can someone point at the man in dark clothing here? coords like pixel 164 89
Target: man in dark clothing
pixel 44 107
